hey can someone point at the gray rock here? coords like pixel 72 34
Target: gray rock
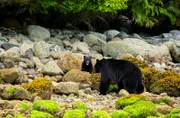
pixel 135 47
pixel 12 54
pixel 111 34
pixel 165 35
pixel 10 92
pixel 80 46
pixel 51 68
pixel 56 41
pixel 7 46
pixel 24 47
pixel 66 88
pixel 175 32
pixel 174 48
pixel 99 35
pixel 42 49
pixel 122 35
pixel 37 33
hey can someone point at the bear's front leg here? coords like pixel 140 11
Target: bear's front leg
pixel 104 85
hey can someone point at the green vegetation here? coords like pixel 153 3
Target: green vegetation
pixel 38 84
pixel 129 100
pixel 39 114
pixel 74 114
pixel 101 114
pixel 120 114
pixel 19 116
pixel 175 113
pixel 46 106
pixel 146 13
pixel 141 109
pixel 24 106
pixel 162 100
pixel 80 106
pixel 11 90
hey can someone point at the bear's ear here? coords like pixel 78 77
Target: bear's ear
pixel 97 60
pixel 84 56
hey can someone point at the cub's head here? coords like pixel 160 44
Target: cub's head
pixel 87 60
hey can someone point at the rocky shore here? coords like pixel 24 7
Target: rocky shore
pixel 54 55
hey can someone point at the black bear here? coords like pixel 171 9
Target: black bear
pixel 87 64
pixel 126 74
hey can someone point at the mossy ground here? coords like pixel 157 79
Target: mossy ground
pixel 80 106
pixel 120 114
pixel 74 114
pixel 40 114
pixel 129 100
pixel 141 109
pixel 101 114
pixel 46 106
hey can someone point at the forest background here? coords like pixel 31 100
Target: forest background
pixel 152 16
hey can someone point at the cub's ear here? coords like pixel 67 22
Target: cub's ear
pixel 97 60
pixel 84 56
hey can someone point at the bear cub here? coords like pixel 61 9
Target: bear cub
pixel 87 64
pixel 124 73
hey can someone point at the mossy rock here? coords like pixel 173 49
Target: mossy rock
pixel 74 114
pixel 150 75
pixel 24 106
pixel 141 109
pixel 68 61
pixel 38 84
pixel 129 100
pixel 175 113
pixel 168 82
pixel 100 114
pixel 120 114
pixel 80 106
pixel 41 87
pixel 136 61
pixel 39 114
pixel 46 106
pixel 94 80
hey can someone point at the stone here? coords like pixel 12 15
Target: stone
pixel 76 75
pixel 51 68
pixel 37 33
pixel 66 88
pixel 42 49
pixel 9 75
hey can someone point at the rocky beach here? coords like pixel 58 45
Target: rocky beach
pixel 39 64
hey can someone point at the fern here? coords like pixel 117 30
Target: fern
pixel 149 12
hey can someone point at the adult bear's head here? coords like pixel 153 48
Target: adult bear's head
pixel 98 65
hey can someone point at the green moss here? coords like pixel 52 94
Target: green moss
pixel 24 106
pixel 39 114
pixel 95 77
pixel 9 116
pixel 101 114
pixel 141 109
pixel 162 100
pixel 80 106
pixel 74 114
pixel 46 106
pixel 136 61
pixel 175 113
pixel 129 100
pixel 38 85
pixel 19 116
pixel 170 83
pixel 150 75
pixel 120 114
pixel 11 90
